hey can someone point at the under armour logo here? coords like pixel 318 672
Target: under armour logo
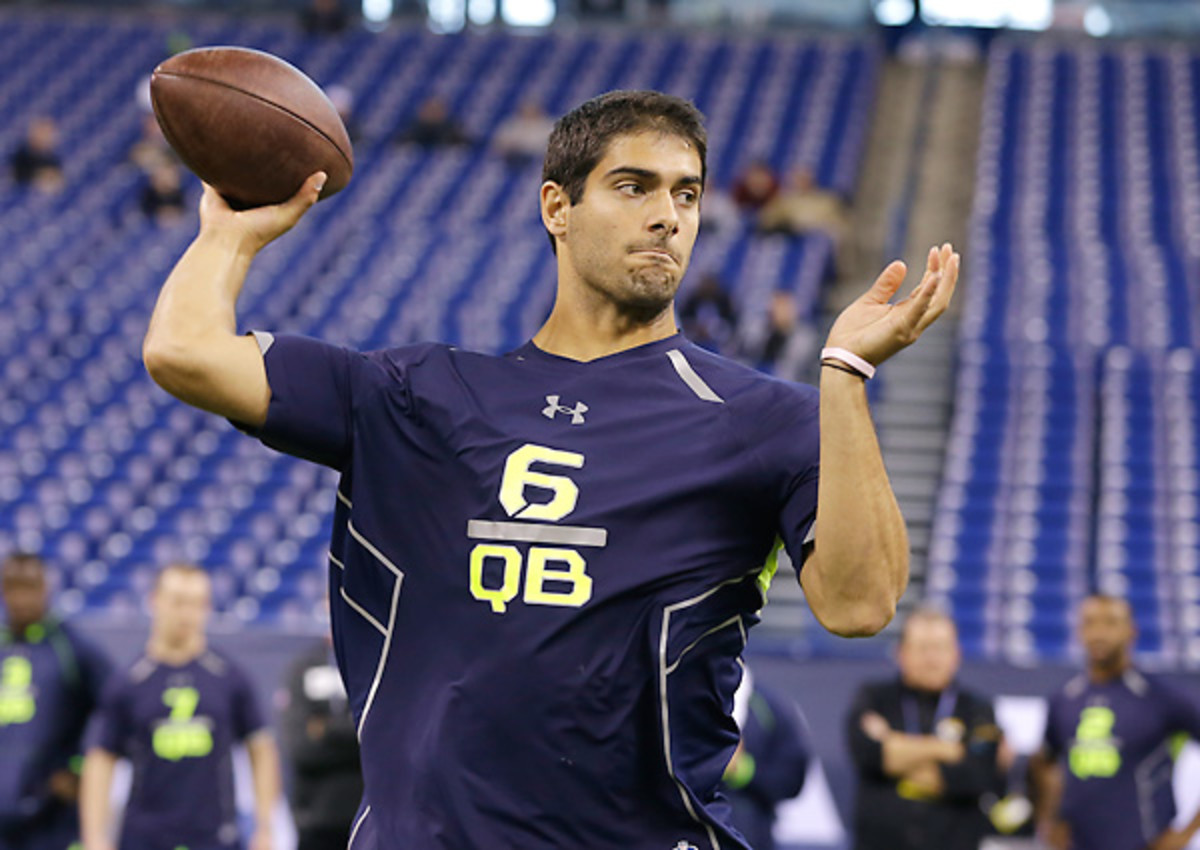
pixel 683 845
pixel 553 408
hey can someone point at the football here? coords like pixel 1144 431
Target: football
pixel 250 124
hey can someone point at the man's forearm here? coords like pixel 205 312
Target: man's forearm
pixel 903 753
pixel 94 789
pixel 859 566
pixel 197 304
pixel 1047 787
pixel 264 765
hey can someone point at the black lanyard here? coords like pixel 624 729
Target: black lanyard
pixel 912 714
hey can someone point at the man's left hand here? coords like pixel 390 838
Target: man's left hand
pixel 64 785
pixel 263 839
pixel 875 329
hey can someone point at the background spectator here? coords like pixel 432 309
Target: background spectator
pixel 1104 773
pixel 770 764
pixel 36 162
pixel 324 17
pixel 802 206
pixel 708 315
pixel 162 198
pixel 322 745
pixel 51 679
pixel 756 186
pixel 927 750
pixel 434 127
pixel 522 138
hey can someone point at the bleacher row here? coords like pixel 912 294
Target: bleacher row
pixel 1072 463
pixel 110 478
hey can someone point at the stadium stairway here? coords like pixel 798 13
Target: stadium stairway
pixel 915 191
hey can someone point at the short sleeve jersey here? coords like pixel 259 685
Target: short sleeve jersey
pixel 50 682
pixel 1117 743
pixel 177 726
pixel 542 576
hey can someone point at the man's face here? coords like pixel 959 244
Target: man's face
pixel 928 655
pixel 25 594
pixel 180 606
pixel 630 237
pixel 1105 630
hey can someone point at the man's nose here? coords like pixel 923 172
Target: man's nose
pixel 664 217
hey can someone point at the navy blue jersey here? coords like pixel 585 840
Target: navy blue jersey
pixel 177 726
pixel 543 572
pixel 50 682
pixel 1116 740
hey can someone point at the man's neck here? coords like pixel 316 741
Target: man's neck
pixel 585 336
pixel 586 324
pixel 34 630
pixel 1103 673
pixel 175 655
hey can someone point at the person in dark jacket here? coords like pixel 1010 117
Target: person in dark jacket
pixel 51 679
pixel 322 746
pixel 770 765
pixel 927 751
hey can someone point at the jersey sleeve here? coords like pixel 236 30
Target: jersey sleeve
pixel 787 442
pixel 246 714
pixel 1052 743
pixel 315 387
pixel 1185 711
pixel 95 671
pixel 112 725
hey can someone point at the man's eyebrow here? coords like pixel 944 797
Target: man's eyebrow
pixel 647 174
pixel 633 171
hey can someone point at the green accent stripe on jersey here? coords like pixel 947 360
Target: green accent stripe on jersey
pixel 1175 743
pixel 767 573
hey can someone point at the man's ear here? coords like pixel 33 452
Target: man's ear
pixel 555 209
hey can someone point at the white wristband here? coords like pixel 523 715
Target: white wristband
pixel 850 359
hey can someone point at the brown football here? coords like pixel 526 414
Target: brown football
pixel 249 124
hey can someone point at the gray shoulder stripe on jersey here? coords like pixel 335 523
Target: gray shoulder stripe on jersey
pixel 1136 682
pixel 370 547
pixel 383 654
pixel 359 823
pixel 362 612
pixel 264 339
pixel 344 500
pixel 523 532
pixel 695 382
pixel 142 669
pixel 333 560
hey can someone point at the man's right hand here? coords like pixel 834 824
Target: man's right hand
pixel 1055 833
pixel 254 228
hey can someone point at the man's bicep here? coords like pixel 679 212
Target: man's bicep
pixel 225 376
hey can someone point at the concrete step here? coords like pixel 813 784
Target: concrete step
pixel 907 415
pixel 913 440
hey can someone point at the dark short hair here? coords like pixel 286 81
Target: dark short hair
pixel 926 614
pixel 21 560
pixel 582 136
pixel 1110 599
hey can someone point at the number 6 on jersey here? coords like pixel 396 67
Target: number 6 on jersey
pixel 544 563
